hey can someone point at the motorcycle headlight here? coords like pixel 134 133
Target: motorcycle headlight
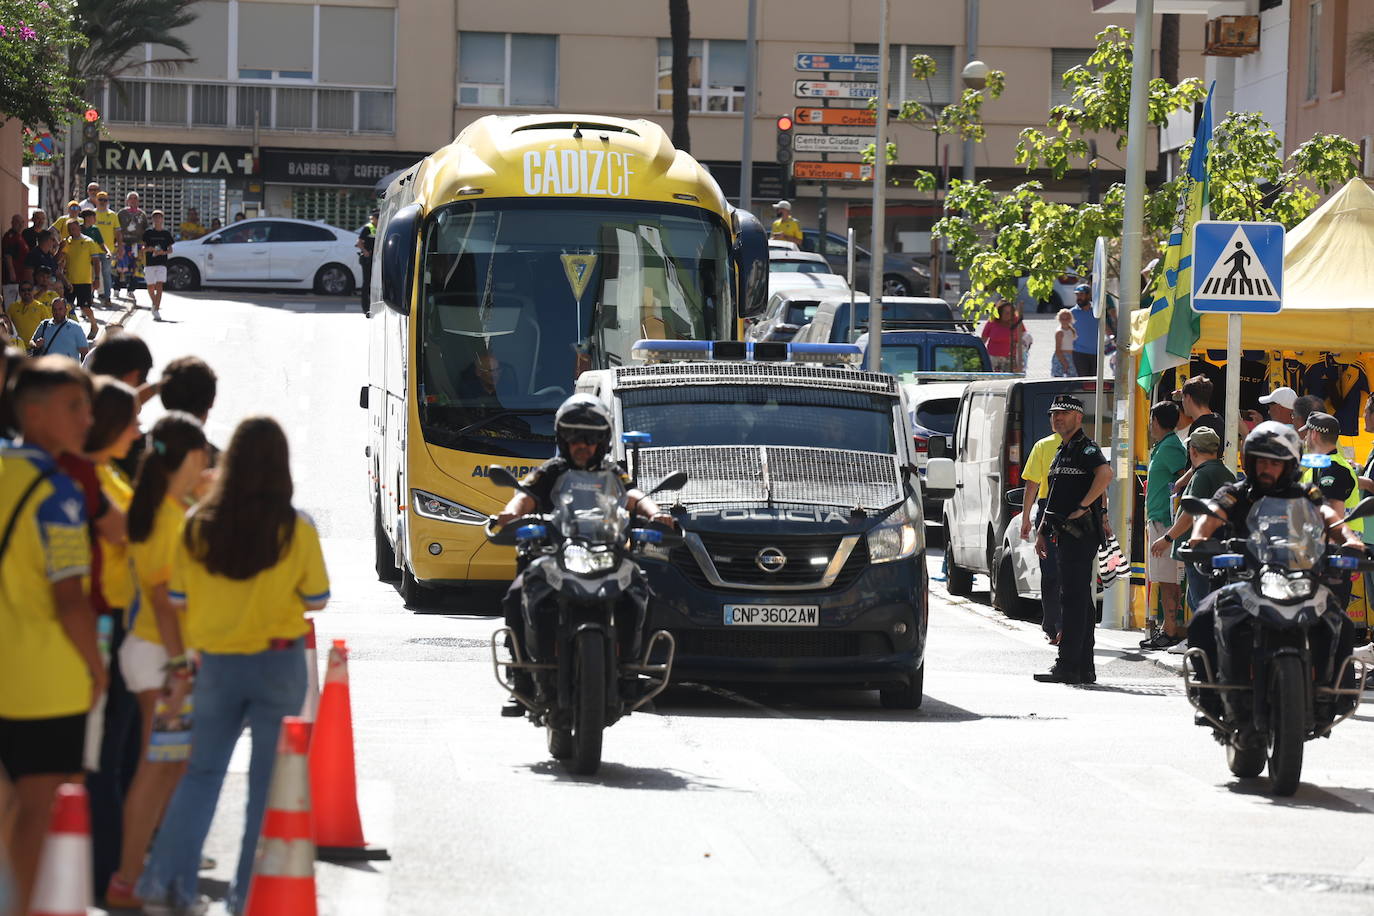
pixel 427 505
pixel 1276 586
pixel 582 561
pixel 894 539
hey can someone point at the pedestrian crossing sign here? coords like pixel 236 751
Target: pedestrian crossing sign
pixel 1237 267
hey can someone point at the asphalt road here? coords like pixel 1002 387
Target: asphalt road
pixel 999 795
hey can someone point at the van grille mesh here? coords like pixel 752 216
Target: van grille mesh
pixel 764 475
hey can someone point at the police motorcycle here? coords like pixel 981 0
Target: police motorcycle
pixel 1277 625
pixel 584 600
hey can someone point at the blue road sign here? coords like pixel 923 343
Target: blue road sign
pixel 852 63
pixel 1237 267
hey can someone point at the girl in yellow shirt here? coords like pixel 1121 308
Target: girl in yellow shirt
pixel 247 569
pixel 153 657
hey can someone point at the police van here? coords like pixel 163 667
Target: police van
pixel 803 557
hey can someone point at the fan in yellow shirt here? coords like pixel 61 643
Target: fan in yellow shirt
pixel 248 569
pixel 191 227
pixel 153 658
pixel 115 408
pixel 27 312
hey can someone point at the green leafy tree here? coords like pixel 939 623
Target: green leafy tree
pixel 1001 236
pixel 116 31
pixel 963 118
pixel 37 38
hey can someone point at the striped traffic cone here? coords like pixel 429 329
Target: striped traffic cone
pixel 312 673
pixel 333 777
pixel 284 871
pixel 63 884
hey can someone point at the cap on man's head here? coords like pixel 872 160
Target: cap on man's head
pixel 1066 403
pixel 102 196
pixel 1284 397
pixel 1325 424
pixel 1083 288
pixel 72 203
pixel 1205 439
pixel 783 205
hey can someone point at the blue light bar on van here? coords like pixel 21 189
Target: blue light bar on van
pixel 665 351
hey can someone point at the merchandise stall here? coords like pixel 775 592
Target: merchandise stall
pixel 1321 343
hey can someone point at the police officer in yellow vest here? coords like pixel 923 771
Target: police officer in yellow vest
pixel 785 227
pixel 1339 482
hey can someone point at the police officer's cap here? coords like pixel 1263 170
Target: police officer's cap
pixel 1066 402
pixel 1324 423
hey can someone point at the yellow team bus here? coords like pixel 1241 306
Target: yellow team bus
pixel 527 251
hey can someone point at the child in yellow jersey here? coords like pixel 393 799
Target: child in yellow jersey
pixel 247 569
pixel 153 657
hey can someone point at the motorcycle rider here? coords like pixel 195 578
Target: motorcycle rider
pixel 1270 456
pixel 582 429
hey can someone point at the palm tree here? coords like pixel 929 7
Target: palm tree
pixel 116 31
pixel 680 34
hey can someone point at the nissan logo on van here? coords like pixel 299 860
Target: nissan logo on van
pixel 770 560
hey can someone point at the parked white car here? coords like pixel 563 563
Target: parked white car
pixel 271 252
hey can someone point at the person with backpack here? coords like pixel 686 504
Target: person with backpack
pixel 153 657
pixel 247 568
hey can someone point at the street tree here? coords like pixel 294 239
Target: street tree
pixel 1002 236
pixel 114 33
pixel 37 38
pixel 963 118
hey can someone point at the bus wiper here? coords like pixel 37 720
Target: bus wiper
pixel 505 415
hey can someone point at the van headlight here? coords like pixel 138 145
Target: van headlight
pixel 427 505
pixel 582 561
pixel 894 539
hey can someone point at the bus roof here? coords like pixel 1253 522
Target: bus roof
pixel 566 155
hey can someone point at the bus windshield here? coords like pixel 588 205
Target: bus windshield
pixel 519 297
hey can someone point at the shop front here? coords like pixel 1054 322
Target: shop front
pixel 217 181
pixel 336 187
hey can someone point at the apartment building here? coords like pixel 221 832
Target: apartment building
pixel 298 108
pixel 1331 73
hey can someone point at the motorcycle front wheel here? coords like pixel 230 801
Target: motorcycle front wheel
pixel 1287 732
pixel 589 704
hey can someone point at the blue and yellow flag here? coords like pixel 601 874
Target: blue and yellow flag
pixel 1174 327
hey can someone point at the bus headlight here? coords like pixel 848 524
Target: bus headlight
pixel 427 505
pixel 894 539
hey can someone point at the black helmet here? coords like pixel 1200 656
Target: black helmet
pixel 1274 440
pixel 583 418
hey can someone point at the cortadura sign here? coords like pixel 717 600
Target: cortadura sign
pixel 178 159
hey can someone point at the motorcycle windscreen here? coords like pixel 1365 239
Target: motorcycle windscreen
pixel 1288 533
pixel 590 506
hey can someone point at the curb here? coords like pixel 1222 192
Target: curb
pixel 118 322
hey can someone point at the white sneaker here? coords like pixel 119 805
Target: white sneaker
pixel 1178 648
pixel 200 907
pixel 157 316
pixel 1364 653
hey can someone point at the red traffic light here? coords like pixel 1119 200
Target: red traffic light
pixel 785 122
pixel 92 115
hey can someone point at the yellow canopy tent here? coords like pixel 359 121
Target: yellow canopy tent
pixel 1328 285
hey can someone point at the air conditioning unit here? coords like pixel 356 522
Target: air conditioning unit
pixel 1232 36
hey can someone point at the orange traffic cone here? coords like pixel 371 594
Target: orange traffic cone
pixel 284 871
pixel 63 883
pixel 312 673
pixel 333 779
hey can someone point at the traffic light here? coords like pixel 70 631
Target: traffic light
pixel 90 134
pixel 785 139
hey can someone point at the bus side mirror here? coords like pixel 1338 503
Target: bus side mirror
pixel 398 257
pixel 750 254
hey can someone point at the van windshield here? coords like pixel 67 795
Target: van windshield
pixel 781 416
pixel 1036 402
